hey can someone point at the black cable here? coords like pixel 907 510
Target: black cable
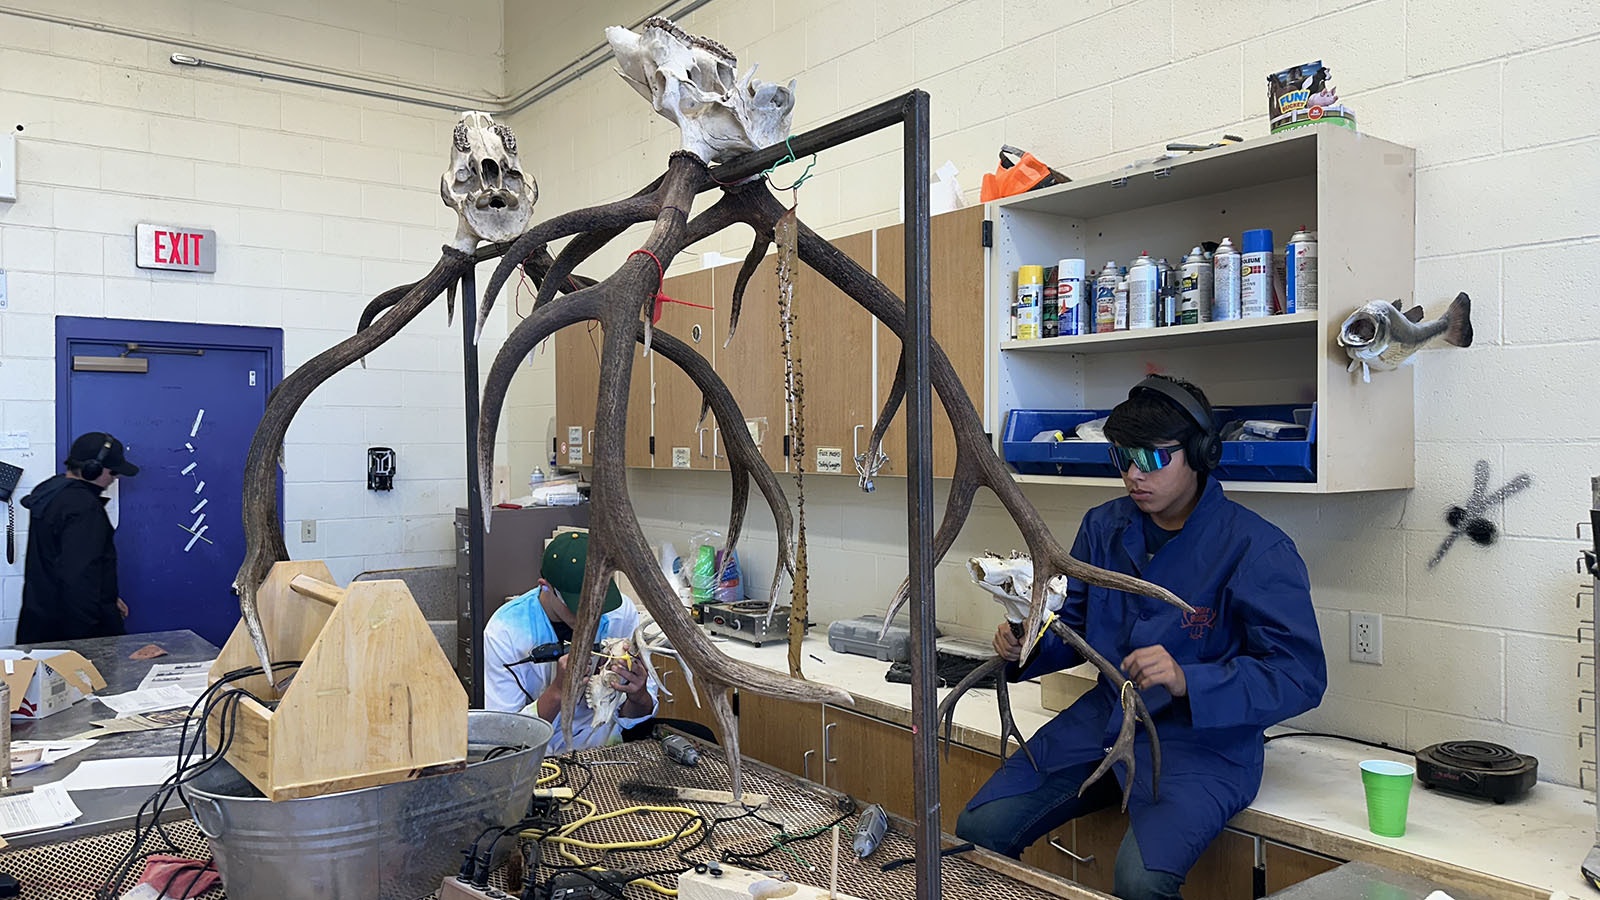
pixel 784 839
pixel 1378 745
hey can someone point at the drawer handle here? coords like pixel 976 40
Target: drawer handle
pixel 805 764
pixel 1084 860
pixel 827 743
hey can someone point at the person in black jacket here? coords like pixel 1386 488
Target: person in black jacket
pixel 69 587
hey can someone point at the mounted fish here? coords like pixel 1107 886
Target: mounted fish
pixel 1380 336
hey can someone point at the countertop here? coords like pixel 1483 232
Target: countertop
pixel 1310 797
pixel 111 808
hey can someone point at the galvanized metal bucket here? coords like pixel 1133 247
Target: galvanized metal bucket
pixel 393 842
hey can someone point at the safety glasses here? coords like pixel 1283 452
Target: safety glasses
pixel 1148 459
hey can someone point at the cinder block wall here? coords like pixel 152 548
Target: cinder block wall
pixel 320 201
pixel 1491 95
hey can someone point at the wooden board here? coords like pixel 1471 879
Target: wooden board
pixel 742 884
pixel 373 702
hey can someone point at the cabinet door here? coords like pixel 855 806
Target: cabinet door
pixel 577 386
pixel 834 337
pixel 752 363
pixel 1223 872
pixel 1287 866
pixel 781 733
pixel 956 307
pixel 871 761
pixel 680 442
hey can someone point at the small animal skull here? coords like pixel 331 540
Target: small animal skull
pixel 485 183
pixel 691 80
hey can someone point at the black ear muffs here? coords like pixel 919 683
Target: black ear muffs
pixel 94 468
pixel 1204 450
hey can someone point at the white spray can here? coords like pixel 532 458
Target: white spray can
pixel 1225 265
pixel 1144 280
pixel 1195 282
pixel 1071 308
pixel 1300 266
pixel 1122 303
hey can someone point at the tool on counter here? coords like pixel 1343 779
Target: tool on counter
pixel 680 750
pixel 641 790
pixel 870 830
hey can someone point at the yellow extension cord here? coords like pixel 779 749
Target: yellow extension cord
pixel 563 837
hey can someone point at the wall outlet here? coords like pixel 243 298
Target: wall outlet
pixel 1366 638
pixel 308 533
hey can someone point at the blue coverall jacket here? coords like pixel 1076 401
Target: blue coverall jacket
pixel 1250 653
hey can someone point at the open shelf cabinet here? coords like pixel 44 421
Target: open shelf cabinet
pixel 1355 192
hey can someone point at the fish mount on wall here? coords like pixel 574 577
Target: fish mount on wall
pixel 1469 519
pixel 1380 336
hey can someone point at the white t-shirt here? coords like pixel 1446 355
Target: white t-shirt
pixel 512 633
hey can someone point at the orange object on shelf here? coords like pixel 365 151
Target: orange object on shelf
pixel 1012 178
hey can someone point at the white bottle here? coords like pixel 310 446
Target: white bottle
pixel 1143 303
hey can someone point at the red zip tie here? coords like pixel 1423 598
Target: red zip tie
pixel 661 298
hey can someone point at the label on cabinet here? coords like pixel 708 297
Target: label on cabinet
pixel 680 457
pixel 574 454
pixel 575 435
pixel 830 460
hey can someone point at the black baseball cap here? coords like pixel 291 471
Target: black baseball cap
pixel 89 447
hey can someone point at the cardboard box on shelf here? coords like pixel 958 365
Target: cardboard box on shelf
pixel 45 682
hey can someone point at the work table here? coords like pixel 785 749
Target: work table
pixel 1311 795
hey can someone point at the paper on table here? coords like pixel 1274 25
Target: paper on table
pixel 94 774
pixel 46 806
pixel 189 676
pixel 149 699
pixel 52 750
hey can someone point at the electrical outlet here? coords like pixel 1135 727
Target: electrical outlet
pixel 308 531
pixel 1366 638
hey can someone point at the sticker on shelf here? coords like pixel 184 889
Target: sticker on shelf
pixel 680 457
pixel 574 454
pixel 575 435
pixel 830 460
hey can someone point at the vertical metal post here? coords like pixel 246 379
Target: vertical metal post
pixel 469 369
pixel 919 537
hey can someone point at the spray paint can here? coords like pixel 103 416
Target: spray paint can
pixel 1144 297
pixel 1300 266
pixel 1070 303
pixel 1225 299
pixel 1195 283
pixel 1121 303
pixel 1105 299
pixel 1050 312
pixel 1257 272
pixel 1030 301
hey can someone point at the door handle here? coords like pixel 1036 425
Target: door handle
pixel 1082 860
pixel 701 434
pixel 827 743
pixel 715 434
pixel 591 442
pixel 855 441
pixel 805 764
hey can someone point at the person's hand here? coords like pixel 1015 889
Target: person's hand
pixel 631 678
pixel 1006 644
pixel 1149 666
pixel 549 702
pixel 122 608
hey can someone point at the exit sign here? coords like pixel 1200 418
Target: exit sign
pixel 174 247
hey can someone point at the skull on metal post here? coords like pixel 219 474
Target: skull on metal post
pixel 691 81
pixel 485 184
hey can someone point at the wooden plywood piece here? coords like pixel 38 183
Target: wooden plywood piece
pixel 742 884
pixel 373 701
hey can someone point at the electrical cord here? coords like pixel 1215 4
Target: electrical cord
pixel 1378 745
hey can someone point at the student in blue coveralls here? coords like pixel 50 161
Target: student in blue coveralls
pixel 1248 657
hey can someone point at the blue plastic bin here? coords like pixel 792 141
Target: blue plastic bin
pixel 1241 460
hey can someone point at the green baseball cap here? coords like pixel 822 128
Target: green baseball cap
pixel 562 569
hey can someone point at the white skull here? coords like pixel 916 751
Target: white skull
pixel 485 183
pixel 691 81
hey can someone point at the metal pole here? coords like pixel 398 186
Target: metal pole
pixel 469 368
pixel 919 537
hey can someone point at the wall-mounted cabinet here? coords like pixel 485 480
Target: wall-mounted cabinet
pixel 682 441
pixel 1355 192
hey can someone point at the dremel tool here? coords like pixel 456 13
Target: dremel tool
pixel 870 829
pixel 678 748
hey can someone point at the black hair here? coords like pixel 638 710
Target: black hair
pixel 1146 418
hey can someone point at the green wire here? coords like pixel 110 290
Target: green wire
pixel 789 158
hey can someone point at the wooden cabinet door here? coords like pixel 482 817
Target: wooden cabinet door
pixel 577 387
pixel 679 440
pixel 1287 866
pixel 681 705
pixel 956 306
pixel 1223 872
pixel 834 337
pixel 782 733
pixel 752 363
pixel 639 410
pixel 868 759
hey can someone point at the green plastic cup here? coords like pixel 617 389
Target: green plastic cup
pixel 1388 786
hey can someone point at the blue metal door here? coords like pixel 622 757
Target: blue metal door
pixel 186 421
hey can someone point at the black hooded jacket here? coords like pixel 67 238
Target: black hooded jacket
pixel 69 588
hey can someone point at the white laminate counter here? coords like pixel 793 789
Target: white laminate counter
pixel 1310 797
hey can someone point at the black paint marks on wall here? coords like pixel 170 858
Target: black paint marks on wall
pixel 1470 519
